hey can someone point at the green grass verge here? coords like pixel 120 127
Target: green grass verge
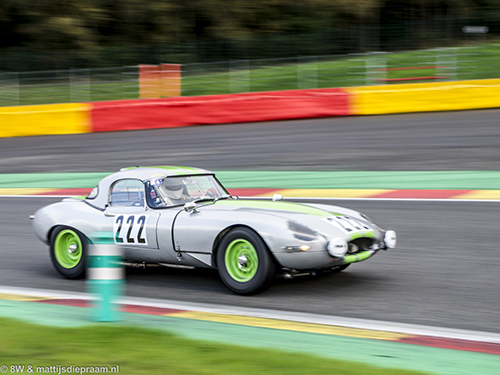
pixel 142 351
pixel 464 63
pixel 474 62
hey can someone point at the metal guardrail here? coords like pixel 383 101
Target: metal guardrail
pixel 239 76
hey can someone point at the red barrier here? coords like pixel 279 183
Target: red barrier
pixel 218 109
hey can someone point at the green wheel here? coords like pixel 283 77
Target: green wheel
pixel 241 260
pixel 68 249
pixel 244 262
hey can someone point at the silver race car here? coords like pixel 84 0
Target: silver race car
pixel 184 216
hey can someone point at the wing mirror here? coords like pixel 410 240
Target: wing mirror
pixel 190 207
pixel 277 197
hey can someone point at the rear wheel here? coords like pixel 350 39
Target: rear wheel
pixel 68 249
pixel 244 263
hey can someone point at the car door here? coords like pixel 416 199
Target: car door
pixel 132 223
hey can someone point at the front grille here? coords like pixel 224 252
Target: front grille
pixel 359 245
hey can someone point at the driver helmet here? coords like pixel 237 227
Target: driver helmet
pixel 173 187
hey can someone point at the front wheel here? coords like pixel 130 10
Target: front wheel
pixel 68 249
pixel 244 263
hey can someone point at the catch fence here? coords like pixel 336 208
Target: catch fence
pixel 240 76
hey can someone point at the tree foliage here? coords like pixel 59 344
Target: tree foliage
pixel 88 25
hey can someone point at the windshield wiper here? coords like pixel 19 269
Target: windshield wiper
pixel 223 197
pixel 213 199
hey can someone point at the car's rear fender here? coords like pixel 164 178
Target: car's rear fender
pixel 73 214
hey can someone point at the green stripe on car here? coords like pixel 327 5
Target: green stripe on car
pixel 176 169
pixel 277 206
pixel 180 170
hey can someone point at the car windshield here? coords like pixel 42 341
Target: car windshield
pixel 172 191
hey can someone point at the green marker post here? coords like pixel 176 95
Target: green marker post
pixel 105 277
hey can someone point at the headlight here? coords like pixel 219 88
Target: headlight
pixel 390 239
pixel 295 249
pixel 337 247
pixel 301 232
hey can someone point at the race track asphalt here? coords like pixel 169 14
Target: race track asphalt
pixel 451 141
pixel 443 273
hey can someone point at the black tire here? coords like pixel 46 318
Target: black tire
pixel 244 262
pixel 68 252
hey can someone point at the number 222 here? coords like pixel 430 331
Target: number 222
pixel 130 220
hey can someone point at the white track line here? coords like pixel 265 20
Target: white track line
pixel 373 325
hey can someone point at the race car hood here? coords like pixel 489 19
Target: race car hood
pixel 319 217
pixel 319 210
